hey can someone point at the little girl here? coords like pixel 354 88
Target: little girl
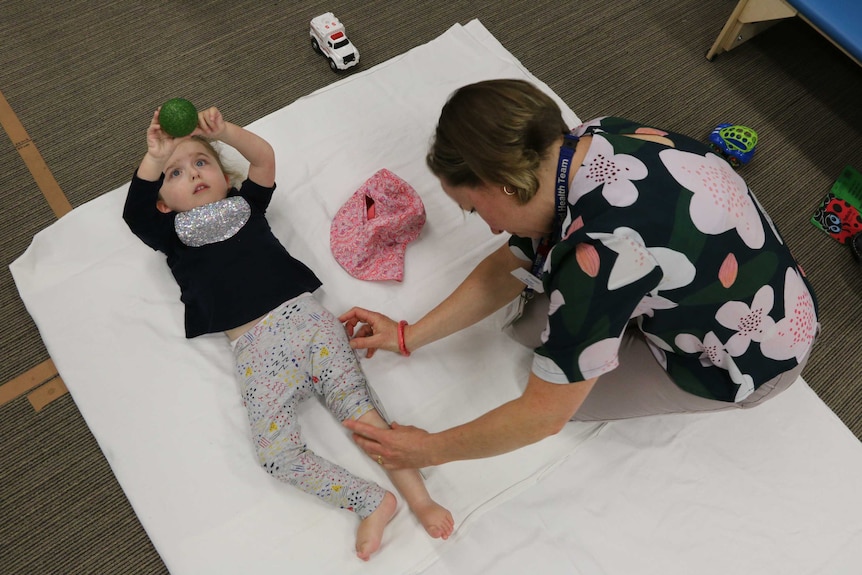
pixel 236 277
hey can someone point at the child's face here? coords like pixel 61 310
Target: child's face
pixel 193 178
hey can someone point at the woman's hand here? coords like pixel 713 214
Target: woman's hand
pixel 402 446
pixel 377 331
pixel 542 410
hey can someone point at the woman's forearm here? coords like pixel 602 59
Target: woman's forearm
pixel 541 411
pixel 489 287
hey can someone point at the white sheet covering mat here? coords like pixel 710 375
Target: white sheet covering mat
pixel 773 490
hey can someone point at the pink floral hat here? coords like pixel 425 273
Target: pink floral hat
pixel 370 232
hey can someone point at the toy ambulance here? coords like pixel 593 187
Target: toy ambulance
pixel 329 38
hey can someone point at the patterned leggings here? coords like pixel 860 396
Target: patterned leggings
pixel 298 350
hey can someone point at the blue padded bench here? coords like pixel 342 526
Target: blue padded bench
pixel 840 21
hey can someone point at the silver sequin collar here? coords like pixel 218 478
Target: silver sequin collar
pixel 212 223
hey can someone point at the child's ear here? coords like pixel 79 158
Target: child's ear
pixel 163 207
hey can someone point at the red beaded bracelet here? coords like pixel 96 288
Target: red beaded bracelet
pixel 401 345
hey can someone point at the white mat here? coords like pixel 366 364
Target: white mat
pixel 772 490
pixel 769 491
pixel 166 411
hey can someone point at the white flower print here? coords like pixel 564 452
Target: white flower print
pixel 721 201
pixel 750 323
pixel 614 171
pixel 743 380
pixel 580 130
pixel 658 347
pixel 677 269
pixel 652 338
pixel 556 300
pixel 636 260
pixel 572 227
pixel 599 357
pixel 746 388
pixel 567 222
pixel 651 302
pixel 712 351
pixel 519 253
pixel 792 336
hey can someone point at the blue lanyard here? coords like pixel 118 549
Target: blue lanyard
pixel 567 152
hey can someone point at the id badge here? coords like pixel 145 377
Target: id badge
pixel 529 280
pixel 515 309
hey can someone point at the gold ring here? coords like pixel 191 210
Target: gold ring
pixel 380 459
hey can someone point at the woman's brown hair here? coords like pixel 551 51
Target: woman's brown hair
pixel 497 132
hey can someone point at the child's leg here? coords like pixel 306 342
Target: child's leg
pixel 283 454
pixel 437 520
pixel 346 394
pixel 274 374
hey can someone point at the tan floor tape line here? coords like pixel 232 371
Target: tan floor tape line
pixel 42 382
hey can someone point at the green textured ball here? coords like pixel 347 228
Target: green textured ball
pixel 178 117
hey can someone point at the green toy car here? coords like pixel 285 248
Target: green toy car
pixel 734 142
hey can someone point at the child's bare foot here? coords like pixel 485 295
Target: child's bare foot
pixel 370 532
pixel 435 518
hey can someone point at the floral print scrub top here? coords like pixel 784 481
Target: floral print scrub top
pixel 671 237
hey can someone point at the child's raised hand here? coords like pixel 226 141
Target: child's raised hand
pixel 211 124
pixel 159 144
